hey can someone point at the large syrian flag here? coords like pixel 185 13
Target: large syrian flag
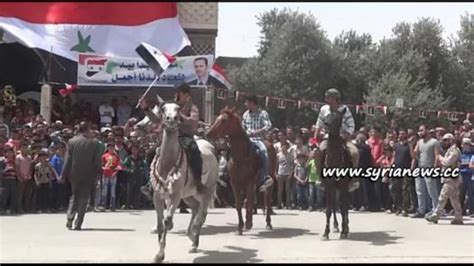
pixel 106 28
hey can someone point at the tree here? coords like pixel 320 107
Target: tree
pixel 295 61
pixel 415 93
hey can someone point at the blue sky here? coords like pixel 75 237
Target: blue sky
pixel 238 33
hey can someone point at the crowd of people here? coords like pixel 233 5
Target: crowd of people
pixel 33 153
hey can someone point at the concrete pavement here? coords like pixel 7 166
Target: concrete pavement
pixel 124 236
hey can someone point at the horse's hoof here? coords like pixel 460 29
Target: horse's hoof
pixel 154 231
pixel 159 258
pixel 336 230
pixel 239 232
pixel 248 226
pixel 193 250
pixel 324 238
pixel 169 224
pixel 343 236
pixel 269 227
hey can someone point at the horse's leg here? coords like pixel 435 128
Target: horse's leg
pixel 336 205
pixel 268 205
pixel 194 205
pixel 195 223
pixel 159 207
pixel 249 206
pixel 345 213
pixel 238 208
pixel 329 210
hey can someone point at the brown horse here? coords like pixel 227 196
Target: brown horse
pixel 244 166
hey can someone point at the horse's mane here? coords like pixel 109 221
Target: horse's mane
pixel 231 112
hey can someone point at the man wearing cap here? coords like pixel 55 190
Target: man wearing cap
pixel 333 100
pixel 450 188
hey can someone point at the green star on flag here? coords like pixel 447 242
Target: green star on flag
pixel 83 45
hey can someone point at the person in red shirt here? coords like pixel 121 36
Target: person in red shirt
pixel 110 166
pixel 376 143
pixel 9 182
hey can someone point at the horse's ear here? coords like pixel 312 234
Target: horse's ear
pixel 233 110
pixel 344 111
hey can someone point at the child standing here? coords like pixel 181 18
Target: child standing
pixel 135 167
pixel 9 182
pixel 301 178
pixel 44 176
pixel 24 167
pixel 110 167
pixel 58 187
pixel 314 183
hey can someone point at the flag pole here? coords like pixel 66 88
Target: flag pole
pixel 146 92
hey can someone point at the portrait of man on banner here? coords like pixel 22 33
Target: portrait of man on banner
pixel 202 68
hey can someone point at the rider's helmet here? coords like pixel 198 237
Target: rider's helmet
pixel 333 92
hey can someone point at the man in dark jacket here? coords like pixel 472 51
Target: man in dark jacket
pixel 363 195
pixel 81 167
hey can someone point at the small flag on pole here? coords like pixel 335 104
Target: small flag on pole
pixel 67 90
pixel 155 59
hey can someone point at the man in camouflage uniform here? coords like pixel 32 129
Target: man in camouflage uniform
pixel 333 98
pixel 450 188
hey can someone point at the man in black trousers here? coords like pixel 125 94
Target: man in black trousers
pixel 81 167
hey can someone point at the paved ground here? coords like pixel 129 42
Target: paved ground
pixel 125 236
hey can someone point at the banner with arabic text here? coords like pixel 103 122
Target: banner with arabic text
pixel 97 70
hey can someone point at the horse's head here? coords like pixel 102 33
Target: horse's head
pixel 226 124
pixel 334 122
pixel 170 116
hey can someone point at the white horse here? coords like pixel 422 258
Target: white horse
pixel 172 180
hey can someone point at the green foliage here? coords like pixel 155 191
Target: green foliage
pixel 296 60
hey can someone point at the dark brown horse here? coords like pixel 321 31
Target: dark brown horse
pixel 336 189
pixel 244 166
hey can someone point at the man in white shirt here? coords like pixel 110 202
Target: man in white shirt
pixel 107 113
pixel 123 111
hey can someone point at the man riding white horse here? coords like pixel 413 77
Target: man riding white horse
pixel 256 123
pixel 333 100
pixel 189 115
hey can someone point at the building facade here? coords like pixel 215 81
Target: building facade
pixel 199 20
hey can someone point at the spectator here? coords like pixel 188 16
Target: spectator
pixel 427 151
pixel 9 182
pixel 386 161
pixel 284 171
pixel 107 113
pixel 375 142
pixel 400 188
pixel 301 179
pixel 135 167
pixel 24 165
pixel 290 134
pixel 314 182
pixel 58 186
pixel 110 167
pixel 123 111
pixel 467 174
pixel 44 176
pixel 364 197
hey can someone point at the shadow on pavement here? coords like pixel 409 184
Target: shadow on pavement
pixel 213 230
pixel 108 229
pixel 279 232
pixel 241 255
pixel 377 238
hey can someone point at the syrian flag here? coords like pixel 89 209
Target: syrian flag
pixel 218 72
pixel 68 90
pixel 105 28
pixel 156 60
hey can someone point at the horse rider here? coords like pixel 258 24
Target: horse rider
pixel 189 117
pixel 256 123
pixel 333 100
